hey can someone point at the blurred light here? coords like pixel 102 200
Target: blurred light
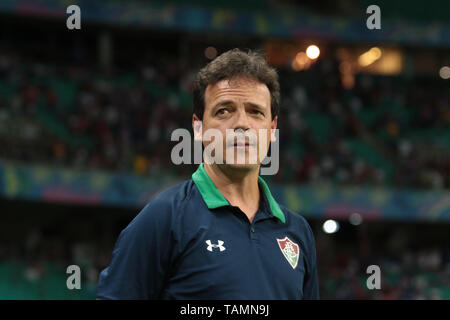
pixel 210 53
pixel 369 57
pixel 301 62
pixel 347 77
pixel 444 72
pixel 330 226
pixel 301 58
pixel 391 63
pixel 355 219
pixel 313 52
pixel 345 67
pixel 296 66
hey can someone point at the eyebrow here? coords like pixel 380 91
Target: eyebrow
pixel 222 103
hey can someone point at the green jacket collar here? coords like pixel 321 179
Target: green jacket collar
pixel 214 199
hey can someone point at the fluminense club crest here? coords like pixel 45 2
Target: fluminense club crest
pixel 290 250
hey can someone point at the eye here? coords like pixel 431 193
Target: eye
pixel 221 112
pixel 257 112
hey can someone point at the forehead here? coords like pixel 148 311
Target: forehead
pixel 238 88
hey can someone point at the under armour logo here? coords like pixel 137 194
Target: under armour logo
pixel 211 246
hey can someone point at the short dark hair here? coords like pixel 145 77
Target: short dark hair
pixel 235 63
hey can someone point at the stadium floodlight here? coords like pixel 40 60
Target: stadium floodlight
pixel 330 226
pixel 313 52
pixel 444 72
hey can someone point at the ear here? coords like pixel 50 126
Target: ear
pixel 273 129
pixel 197 127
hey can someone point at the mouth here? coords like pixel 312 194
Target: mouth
pixel 242 145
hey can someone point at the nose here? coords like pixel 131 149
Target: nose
pixel 242 122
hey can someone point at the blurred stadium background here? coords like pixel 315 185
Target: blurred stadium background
pixel 86 117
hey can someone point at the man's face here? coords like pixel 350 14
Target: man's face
pixel 237 106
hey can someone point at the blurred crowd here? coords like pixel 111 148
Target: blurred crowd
pixel 76 117
pixel 35 268
pixel 383 131
pixel 412 275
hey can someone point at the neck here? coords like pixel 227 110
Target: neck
pixel 238 186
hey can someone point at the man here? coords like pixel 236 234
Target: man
pixel 220 235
